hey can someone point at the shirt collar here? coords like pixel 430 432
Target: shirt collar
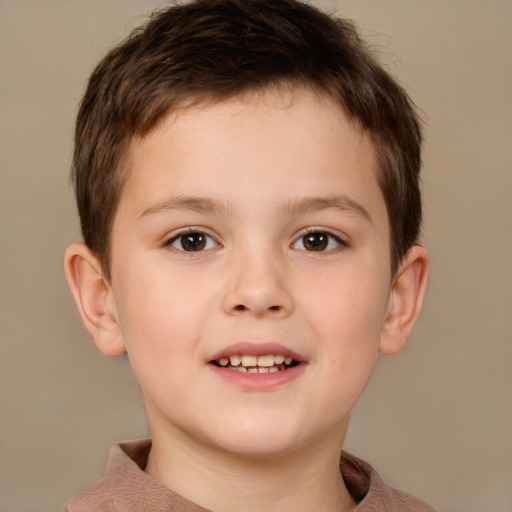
pixel 132 489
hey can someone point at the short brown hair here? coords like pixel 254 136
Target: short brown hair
pixel 211 50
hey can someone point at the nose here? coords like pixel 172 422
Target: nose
pixel 258 286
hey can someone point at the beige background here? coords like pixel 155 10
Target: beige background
pixel 436 420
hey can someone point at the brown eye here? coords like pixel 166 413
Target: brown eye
pixel 193 241
pixel 316 241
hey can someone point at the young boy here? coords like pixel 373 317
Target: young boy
pixel 247 182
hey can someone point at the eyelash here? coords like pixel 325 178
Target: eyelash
pixel 189 231
pixel 331 237
pixel 206 243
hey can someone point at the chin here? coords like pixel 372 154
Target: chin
pixel 257 439
pixel 258 450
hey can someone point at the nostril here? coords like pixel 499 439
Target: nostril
pixel 255 309
pixel 241 307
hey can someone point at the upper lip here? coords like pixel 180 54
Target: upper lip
pixel 256 349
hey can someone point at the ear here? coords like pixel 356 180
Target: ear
pixel 94 297
pixel 405 300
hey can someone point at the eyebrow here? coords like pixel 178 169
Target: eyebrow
pixel 195 204
pixel 336 202
pixel 304 205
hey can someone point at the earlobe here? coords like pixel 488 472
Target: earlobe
pixel 94 298
pixel 405 301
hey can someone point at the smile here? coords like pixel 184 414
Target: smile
pixel 268 363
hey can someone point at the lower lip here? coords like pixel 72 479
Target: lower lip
pixel 259 381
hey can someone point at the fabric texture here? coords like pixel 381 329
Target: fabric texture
pixel 127 488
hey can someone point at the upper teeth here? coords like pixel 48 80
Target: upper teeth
pixel 265 361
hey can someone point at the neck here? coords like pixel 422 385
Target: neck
pixel 307 479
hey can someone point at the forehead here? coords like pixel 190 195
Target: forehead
pixel 270 144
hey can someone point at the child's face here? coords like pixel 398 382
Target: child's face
pixel 279 197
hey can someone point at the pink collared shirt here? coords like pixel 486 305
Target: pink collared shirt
pixel 127 488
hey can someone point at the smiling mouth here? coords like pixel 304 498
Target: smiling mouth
pixel 269 363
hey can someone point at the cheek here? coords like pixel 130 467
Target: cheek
pixel 349 304
pixel 158 327
pixel 347 315
pixel 159 312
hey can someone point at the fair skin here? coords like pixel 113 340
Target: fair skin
pixel 252 227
